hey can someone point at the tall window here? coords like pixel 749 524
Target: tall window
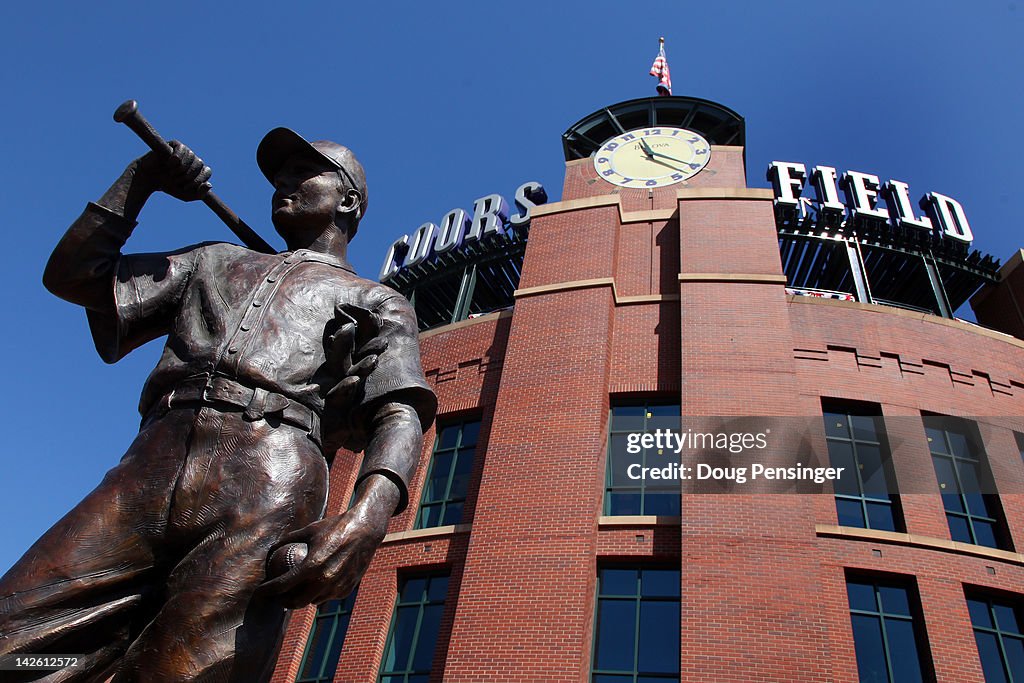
pixel 960 467
pixel 856 441
pixel 444 493
pixel 997 630
pixel 888 632
pixel 636 632
pixel 626 496
pixel 320 660
pixel 413 638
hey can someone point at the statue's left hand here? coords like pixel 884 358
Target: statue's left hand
pixel 353 352
pixel 352 362
pixel 339 550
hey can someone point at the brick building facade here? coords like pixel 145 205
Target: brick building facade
pixel 677 295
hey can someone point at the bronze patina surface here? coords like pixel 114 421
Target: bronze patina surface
pixel 272 361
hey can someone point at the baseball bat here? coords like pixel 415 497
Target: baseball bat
pixel 128 114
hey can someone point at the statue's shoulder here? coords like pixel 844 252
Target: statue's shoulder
pixel 213 250
pixel 382 301
pixel 228 249
pixel 377 295
pixel 212 253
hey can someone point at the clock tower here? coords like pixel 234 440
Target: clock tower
pixel 649 148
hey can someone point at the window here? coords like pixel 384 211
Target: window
pixel 411 643
pixel 997 631
pixel 973 516
pixel 636 630
pixel 626 496
pixel 464 283
pixel 888 632
pixel 320 660
pixel 856 441
pixel 444 493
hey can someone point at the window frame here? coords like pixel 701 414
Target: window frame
pixel 343 607
pixel 991 600
pixel 458 451
pixel 947 424
pixel 916 618
pixel 422 603
pixel 642 486
pixel 638 599
pixel 849 410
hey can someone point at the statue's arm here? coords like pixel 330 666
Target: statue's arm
pixel 391 456
pixel 82 266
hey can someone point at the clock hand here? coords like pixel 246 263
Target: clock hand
pixel 678 161
pixel 647 149
pixel 667 165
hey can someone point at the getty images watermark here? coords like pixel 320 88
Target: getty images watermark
pixel 844 454
pixel 742 454
pixel 714 444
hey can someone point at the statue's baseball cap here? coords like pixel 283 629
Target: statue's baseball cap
pixel 281 143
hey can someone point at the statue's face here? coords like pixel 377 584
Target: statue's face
pixel 308 192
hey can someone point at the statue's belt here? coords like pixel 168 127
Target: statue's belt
pixel 255 404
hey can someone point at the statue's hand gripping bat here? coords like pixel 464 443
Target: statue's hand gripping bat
pixel 128 114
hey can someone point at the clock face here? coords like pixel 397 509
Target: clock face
pixel 652 157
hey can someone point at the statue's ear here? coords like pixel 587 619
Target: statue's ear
pixel 350 202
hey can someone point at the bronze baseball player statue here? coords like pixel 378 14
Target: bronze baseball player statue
pixel 272 362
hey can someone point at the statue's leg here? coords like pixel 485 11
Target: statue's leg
pixel 86 586
pixel 245 485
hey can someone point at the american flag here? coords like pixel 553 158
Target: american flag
pixel 660 70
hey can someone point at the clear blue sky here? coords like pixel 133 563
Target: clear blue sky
pixel 443 102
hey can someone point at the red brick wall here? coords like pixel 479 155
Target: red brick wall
pixel 940 577
pixel 909 364
pixel 648 259
pixel 751 585
pixel 645 356
pixel 763 580
pixel 578 245
pixel 526 606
